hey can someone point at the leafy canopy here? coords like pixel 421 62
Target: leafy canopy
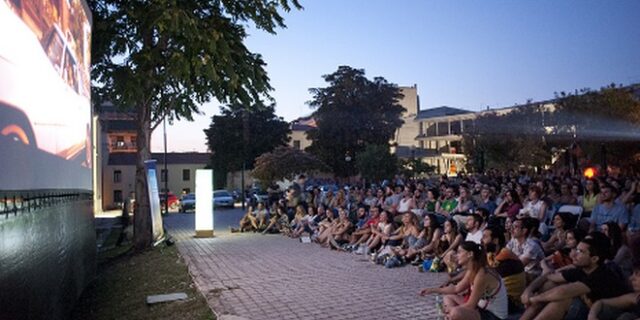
pixel 241 134
pixel 173 56
pixel 286 163
pixel 375 163
pixel 352 112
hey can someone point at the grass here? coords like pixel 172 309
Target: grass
pixel 125 279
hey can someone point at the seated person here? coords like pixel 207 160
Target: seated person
pixel 624 307
pixel 563 257
pixel 249 222
pixel 340 232
pixel 485 295
pixel 550 296
pixel 380 233
pixel 558 237
pixel 430 234
pixel 528 249
pixel 362 234
pixel 507 264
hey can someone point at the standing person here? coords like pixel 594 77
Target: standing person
pixel 125 219
pixel 487 295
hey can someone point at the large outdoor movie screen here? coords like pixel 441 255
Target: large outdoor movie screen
pixel 45 110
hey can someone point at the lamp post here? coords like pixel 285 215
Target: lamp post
pixel 347 159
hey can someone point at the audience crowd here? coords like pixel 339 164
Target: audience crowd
pixel 535 246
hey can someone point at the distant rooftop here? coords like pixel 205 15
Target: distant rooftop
pixel 440 112
pixel 128 159
pixel 304 124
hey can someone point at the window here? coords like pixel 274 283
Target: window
pixel 456 127
pixel 133 141
pixel 120 142
pixel 117 196
pixel 186 174
pixel 163 175
pixel 117 176
pixel 443 128
pixel 296 144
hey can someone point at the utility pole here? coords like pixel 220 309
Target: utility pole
pixel 166 172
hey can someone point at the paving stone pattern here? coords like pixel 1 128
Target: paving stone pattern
pixel 257 276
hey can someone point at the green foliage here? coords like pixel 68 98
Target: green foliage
pixel 242 134
pixel 507 140
pixel 286 162
pixel 352 112
pixel 376 163
pixel 609 117
pixel 165 58
pixel 414 167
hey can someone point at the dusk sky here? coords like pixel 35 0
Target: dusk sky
pixel 462 54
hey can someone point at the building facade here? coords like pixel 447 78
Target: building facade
pixel 116 161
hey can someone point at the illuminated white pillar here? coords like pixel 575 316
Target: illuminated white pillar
pixel 204 203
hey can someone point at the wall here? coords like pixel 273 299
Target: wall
pixel 47 256
pixel 406 134
pixel 127 182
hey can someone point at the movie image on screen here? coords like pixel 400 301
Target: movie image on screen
pixel 45 110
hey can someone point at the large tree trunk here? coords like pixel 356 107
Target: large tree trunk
pixel 143 236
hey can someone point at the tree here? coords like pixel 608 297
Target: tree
pixel 285 163
pixel 608 117
pixel 414 167
pixel 352 112
pixel 505 141
pixel 375 163
pixel 233 142
pixel 164 58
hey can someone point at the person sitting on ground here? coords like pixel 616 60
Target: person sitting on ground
pixel 608 210
pixel 261 216
pixel 362 234
pixel 413 238
pixel 431 233
pixel 449 203
pixel 407 202
pixel 563 257
pixel 449 243
pixel 325 226
pixel 248 222
pixel 624 307
pixel 473 227
pixel 380 233
pixel 339 234
pixel 566 196
pixel 558 237
pixel 486 296
pixel 507 264
pixel 550 296
pixel 509 207
pixel 300 214
pixel 620 252
pixel 278 220
pixel 307 224
pixel 535 208
pixel 528 249
pixel 465 204
pixel 485 201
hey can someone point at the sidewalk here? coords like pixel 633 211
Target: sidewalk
pixel 255 276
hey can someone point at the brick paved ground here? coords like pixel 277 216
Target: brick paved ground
pixel 272 277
